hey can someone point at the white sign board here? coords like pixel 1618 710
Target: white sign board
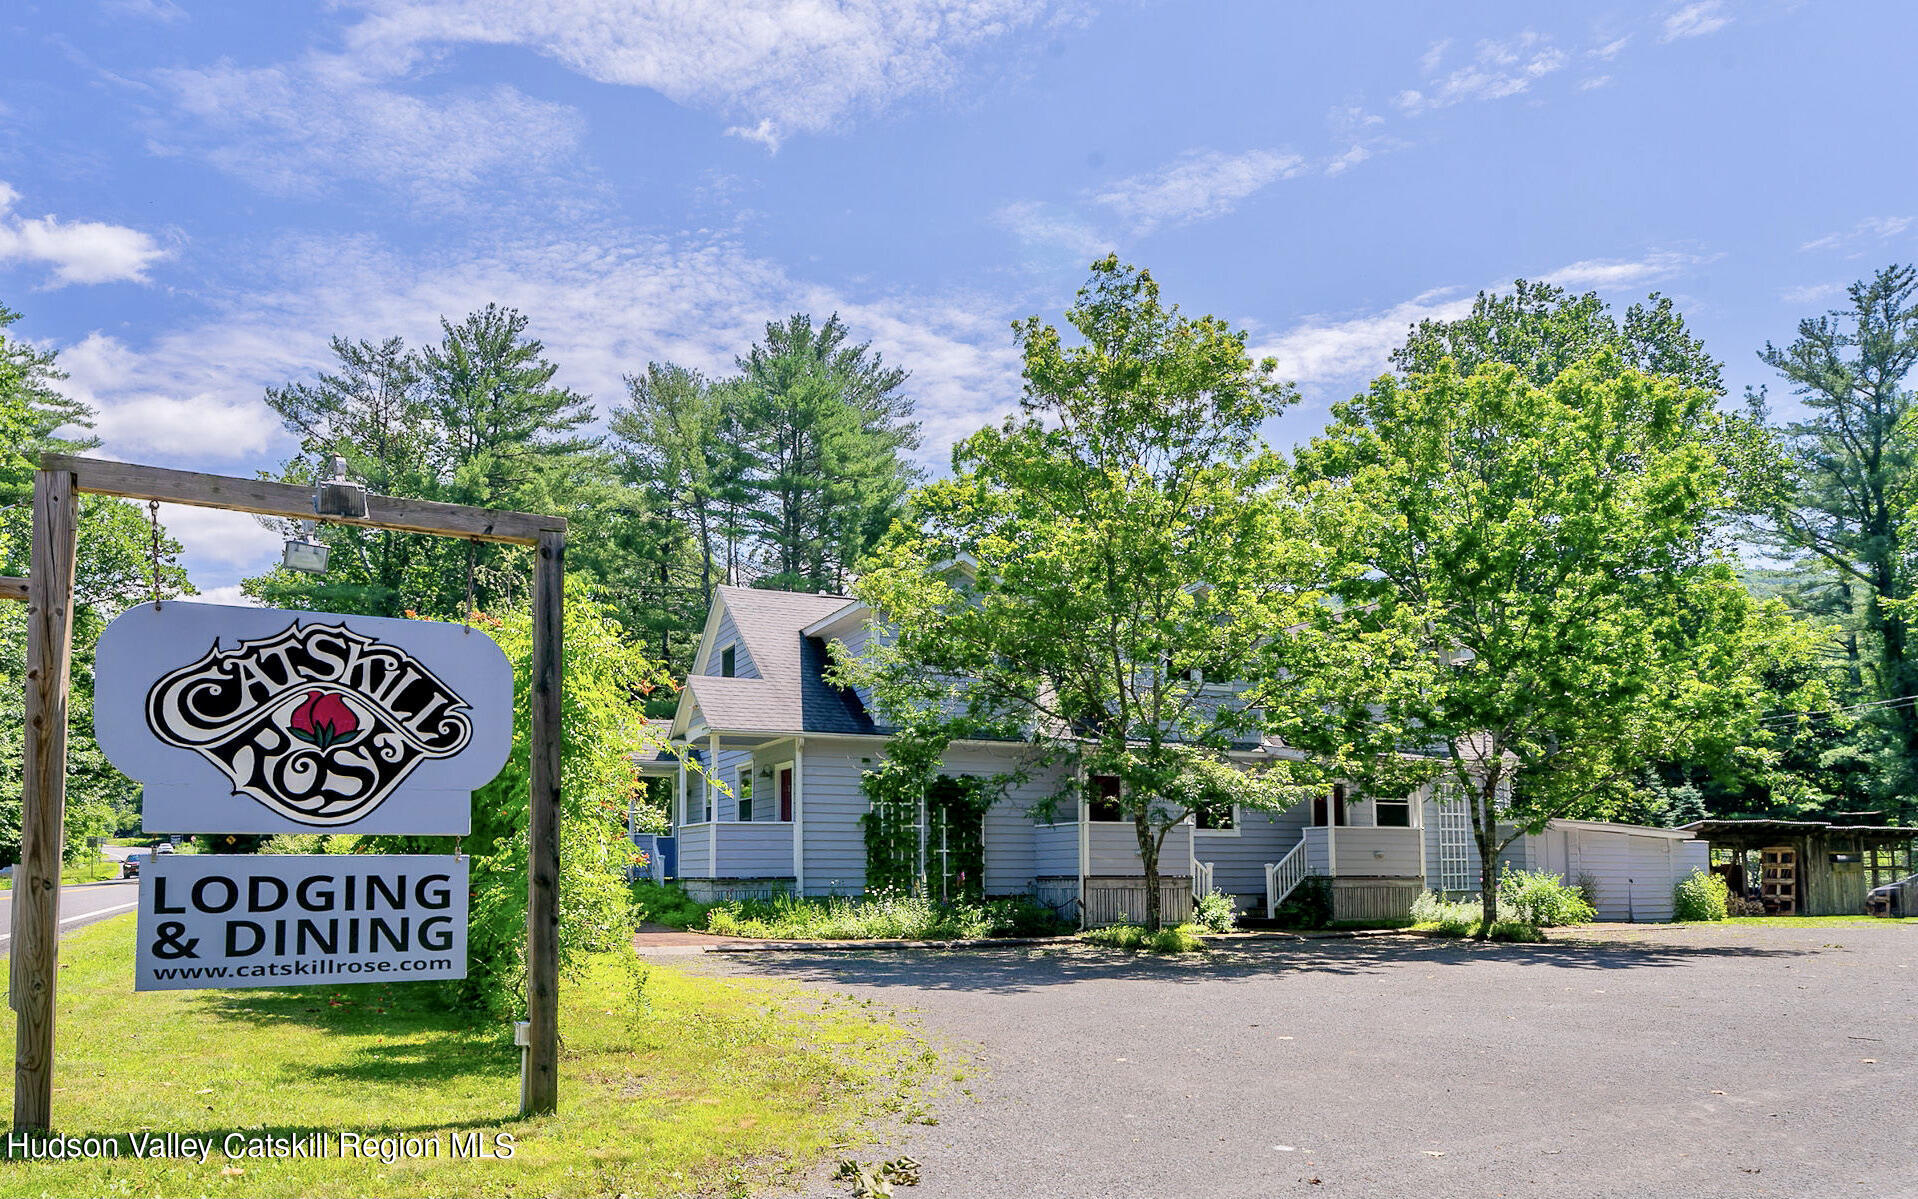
pixel 256 720
pixel 262 920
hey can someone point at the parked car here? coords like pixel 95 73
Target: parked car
pixel 164 847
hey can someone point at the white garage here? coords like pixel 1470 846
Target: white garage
pixel 1631 868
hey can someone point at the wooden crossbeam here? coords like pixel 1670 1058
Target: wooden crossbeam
pixel 102 477
pixel 13 589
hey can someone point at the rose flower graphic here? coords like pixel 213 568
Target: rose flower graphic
pixel 323 719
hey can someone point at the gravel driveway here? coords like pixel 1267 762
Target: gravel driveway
pixel 1736 1061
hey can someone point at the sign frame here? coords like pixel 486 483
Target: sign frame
pixel 48 594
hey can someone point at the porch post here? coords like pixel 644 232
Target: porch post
pixel 799 816
pixel 712 800
pixel 1085 837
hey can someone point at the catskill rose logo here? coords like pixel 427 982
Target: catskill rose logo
pixel 320 723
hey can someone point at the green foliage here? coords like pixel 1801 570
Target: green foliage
pixel 115 569
pixel 1100 556
pixel 1845 508
pixel 1531 579
pixel 1700 895
pixel 1542 899
pixel 1309 905
pixel 665 903
pixel 473 419
pixel 907 916
pixel 603 730
pixel 1184 938
pixel 1216 912
pixel 1432 912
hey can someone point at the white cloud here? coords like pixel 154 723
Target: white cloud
pixel 1615 273
pixel 189 395
pixel 1325 350
pixel 1871 229
pixel 218 537
pixel 1200 185
pixel 164 11
pixel 765 133
pixel 1812 293
pixel 1497 69
pixel 1696 20
pixel 230 595
pixel 1342 163
pixel 301 128
pixel 1593 82
pixel 1611 49
pixel 78 251
pixel 785 65
pixel 1045 227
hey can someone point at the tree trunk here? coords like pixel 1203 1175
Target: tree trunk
pixel 1149 860
pixel 1485 833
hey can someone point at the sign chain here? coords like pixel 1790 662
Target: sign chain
pixel 153 519
pixel 466 613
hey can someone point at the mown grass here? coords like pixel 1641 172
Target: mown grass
pixel 670 1084
pixel 1185 938
pixel 101 870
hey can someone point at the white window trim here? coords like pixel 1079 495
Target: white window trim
pixel 719 659
pixel 745 771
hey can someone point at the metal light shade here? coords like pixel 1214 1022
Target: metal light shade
pixel 304 555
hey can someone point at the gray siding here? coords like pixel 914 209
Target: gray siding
pixel 1011 839
pixel 694 840
pixel 755 850
pixel 1114 849
pixel 835 844
pixel 1238 862
pixel 727 633
pixel 1055 850
pixel 1634 875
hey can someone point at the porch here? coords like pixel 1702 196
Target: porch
pixel 1375 872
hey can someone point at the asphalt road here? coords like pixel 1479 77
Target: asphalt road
pixel 1736 1061
pixel 80 904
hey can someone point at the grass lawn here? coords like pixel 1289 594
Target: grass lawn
pixel 98 871
pixel 702 1087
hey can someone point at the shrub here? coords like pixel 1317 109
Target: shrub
pixel 1432 912
pixel 1700 896
pixel 1309 905
pixel 1543 900
pixel 1216 912
pixel 1125 935
pixel 880 916
pixel 667 904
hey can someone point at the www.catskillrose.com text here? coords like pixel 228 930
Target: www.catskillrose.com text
pixel 256 1145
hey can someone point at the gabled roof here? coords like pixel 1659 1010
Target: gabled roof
pixel 792 694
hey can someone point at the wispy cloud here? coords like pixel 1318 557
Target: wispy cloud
pixel 1200 185
pixel 775 66
pixel 1322 349
pixel 1695 20
pixel 1870 230
pixel 76 251
pixel 1048 227
pixel 1607 51
pixel 303 127
pixel 1614 273
pixel 1812 293
pixel 1496 70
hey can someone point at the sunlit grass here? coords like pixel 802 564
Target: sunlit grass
pixel 670 1083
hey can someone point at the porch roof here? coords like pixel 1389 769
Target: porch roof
pixel 1751 831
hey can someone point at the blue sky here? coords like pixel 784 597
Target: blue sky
pixel 195 196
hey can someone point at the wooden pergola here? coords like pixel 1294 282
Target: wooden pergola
pixel 48 594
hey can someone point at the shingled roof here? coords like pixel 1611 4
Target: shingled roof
pixel 792 694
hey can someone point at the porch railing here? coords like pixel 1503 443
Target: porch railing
pixel 1283 877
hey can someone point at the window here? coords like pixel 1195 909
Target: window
pixel 1217 820
pixel 743 789
pixel 1103 802
pixel 1329 809
pixel 727 662
pixel 1393 813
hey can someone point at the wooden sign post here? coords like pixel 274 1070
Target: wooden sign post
pixel 48 592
